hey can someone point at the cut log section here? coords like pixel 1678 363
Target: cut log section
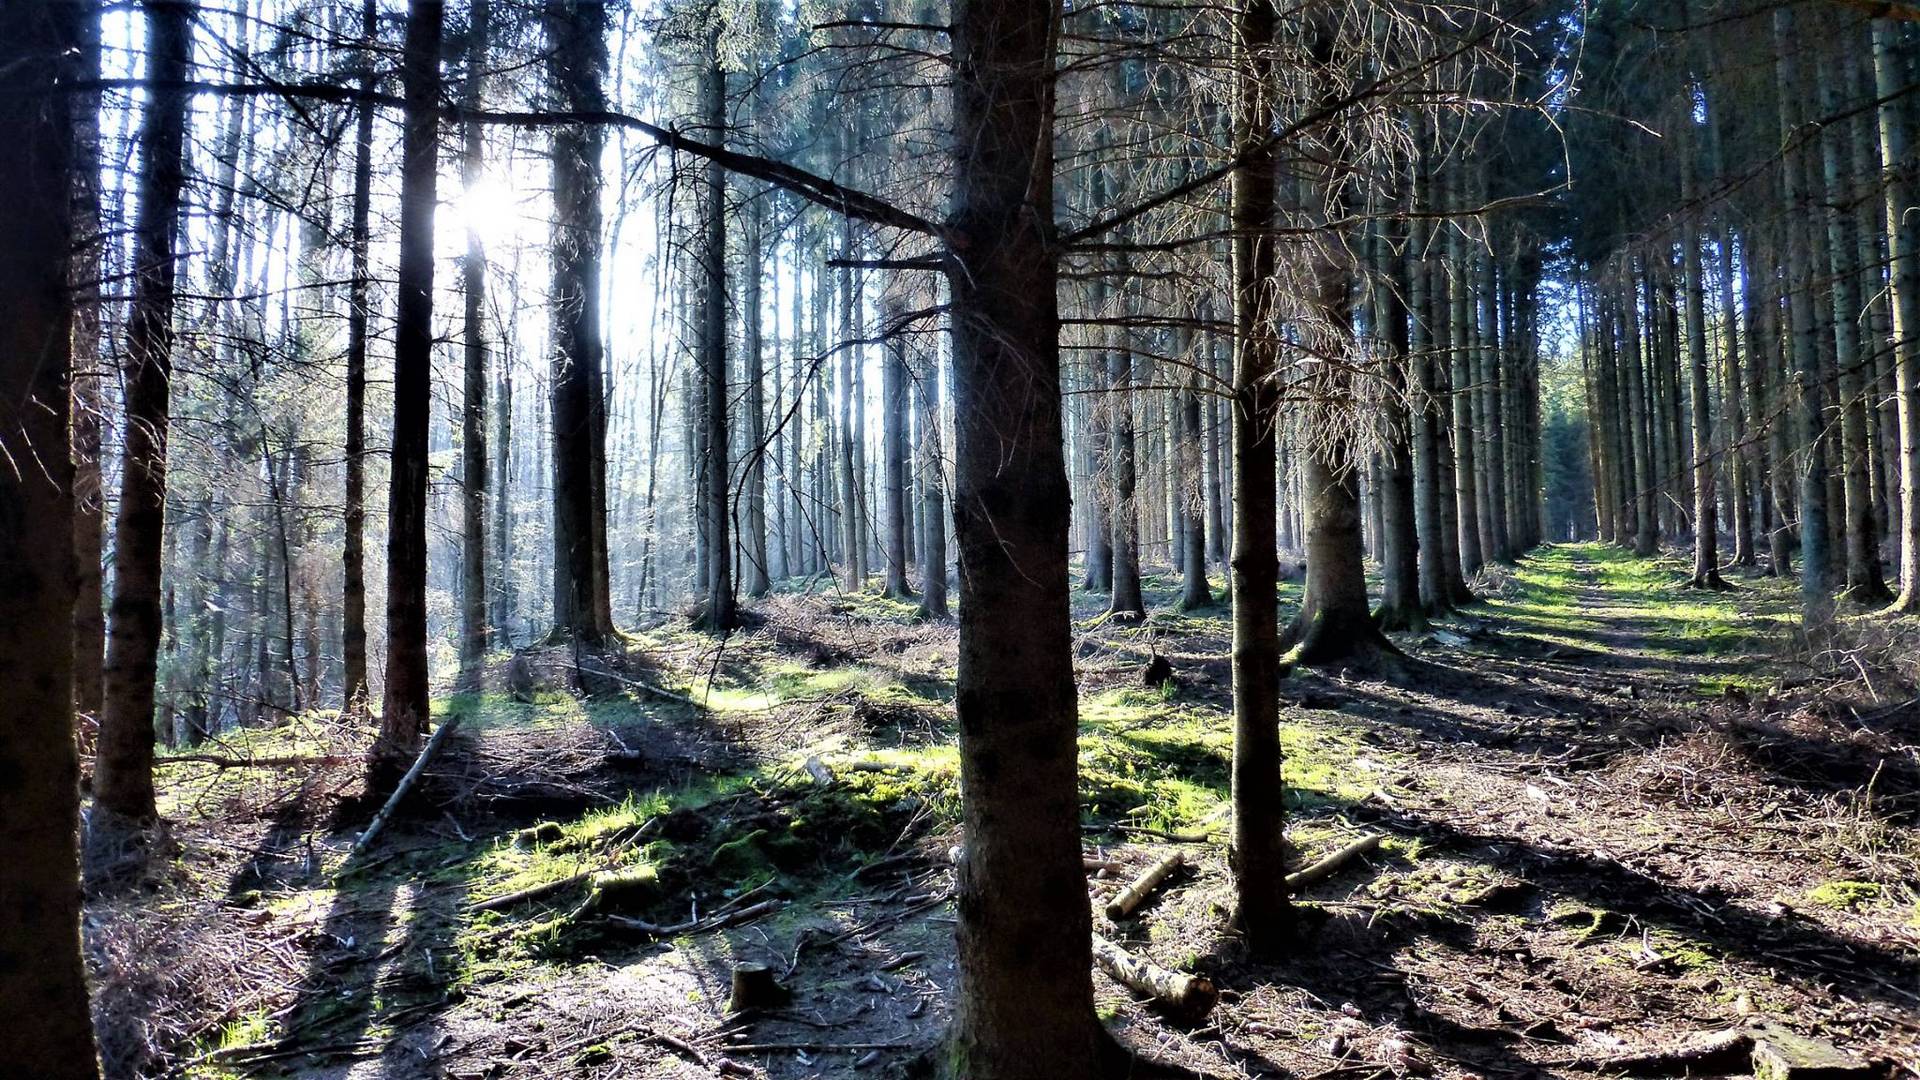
pixel 1142 887
pixel 754 987
pixel 1332 864
pixel 1190 997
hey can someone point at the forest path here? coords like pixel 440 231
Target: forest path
pixel 1607 829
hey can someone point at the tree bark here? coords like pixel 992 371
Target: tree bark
pixel 1257 853
pixel 577 65
pixel 893 452
pixel 1706 505
pixel 123 772
pixel 89 496
pixel 756 577
pixel 1127 604
pixel 1816 590
pixel 1024 930
pixel 1903 244
pixel 403 716
pixel 473 399
pixel 49 1034
pixel 933 503
pixel 353 595
pixel 720 615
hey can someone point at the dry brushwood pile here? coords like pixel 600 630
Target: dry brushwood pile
pixel 1597 826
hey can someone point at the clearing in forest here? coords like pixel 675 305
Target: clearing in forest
pixel 1610 829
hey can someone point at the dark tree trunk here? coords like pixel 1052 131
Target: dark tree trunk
pixel 578 62
pixel 43 992
pixel 403 716
pixel 1400 605
pixel 1706 504
pixel 473 400
pixel 1258 852
pixel 123 773
pixel 1025 1003
pixel 353 632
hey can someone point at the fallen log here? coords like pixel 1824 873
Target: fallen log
pixel 1331 864
pixel 1191 997
pixel 1141 887
pixel 1720 1048
pixel 638 684
pixel 405 785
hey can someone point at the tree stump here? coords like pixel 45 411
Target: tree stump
pixel 754 987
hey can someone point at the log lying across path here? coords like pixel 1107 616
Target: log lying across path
pixel 1189 996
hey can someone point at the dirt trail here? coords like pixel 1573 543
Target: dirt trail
pixel 1606 834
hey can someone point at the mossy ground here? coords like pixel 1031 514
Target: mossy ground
pixel 1513 778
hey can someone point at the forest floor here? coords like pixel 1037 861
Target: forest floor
pixel 1616 821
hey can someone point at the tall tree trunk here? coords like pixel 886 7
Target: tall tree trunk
pixel 1903 244
pixel 1440 579
pixel 123 773
pixel 1864 583
pixel 44 991
pixel 720 615
pixel 1816 589
pixel 893 452
pixel 1465 463
pixel 473 399
pixel 353 596
pixel 1100 532
pixel 755 575
pixel 1258 851
pixel 1706 506
pixel 404 713
pixel 1025 1001
pixel 1191 458
pixel 933 502
pixel 578 62
pixel 1400 606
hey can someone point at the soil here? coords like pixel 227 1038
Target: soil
pixel 1618 818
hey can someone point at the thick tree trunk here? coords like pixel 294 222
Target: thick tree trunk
pixel 1257 854
pixel 403 716
pixel 123 773
pixel 578 62
pixel 49 1035
pixel 1025 1003
pixel 473 400
pixel 1903 244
